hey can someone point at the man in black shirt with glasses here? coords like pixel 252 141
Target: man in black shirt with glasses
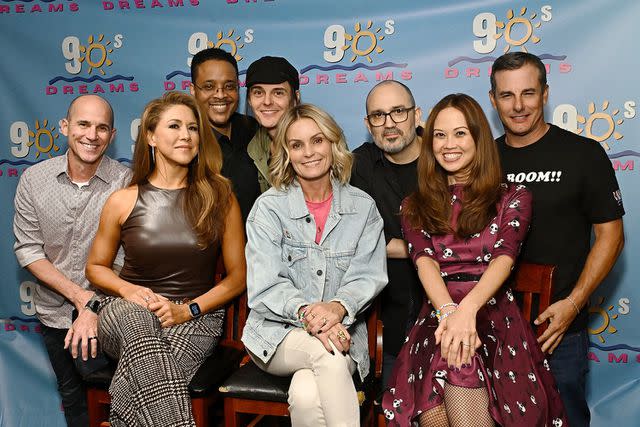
pixel 386 170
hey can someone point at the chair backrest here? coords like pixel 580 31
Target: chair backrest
pixel 374 328
pixel 236 314
pixel 533 279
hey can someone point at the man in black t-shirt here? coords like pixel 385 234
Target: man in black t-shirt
pixel 386 170
pixel 214 83
pixel 574 191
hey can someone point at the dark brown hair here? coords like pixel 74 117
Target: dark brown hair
pixel 206 199
pixel 515 61
pixel 429 208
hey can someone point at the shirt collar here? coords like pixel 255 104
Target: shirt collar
pixel 61 166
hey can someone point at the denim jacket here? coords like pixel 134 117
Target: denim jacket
pixel 286 269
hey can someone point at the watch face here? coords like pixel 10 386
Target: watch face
pixel 93 304
pixel 195 309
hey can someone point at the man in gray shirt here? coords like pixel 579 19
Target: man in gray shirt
pixel 57 210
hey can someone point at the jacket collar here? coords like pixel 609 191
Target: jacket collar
pixel 341 204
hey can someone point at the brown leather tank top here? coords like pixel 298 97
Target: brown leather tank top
pixel 160 247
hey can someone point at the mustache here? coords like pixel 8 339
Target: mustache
pixel 392 131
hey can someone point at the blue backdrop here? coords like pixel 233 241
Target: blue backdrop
pixel 132 51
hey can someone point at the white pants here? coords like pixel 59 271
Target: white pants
pixel 321 391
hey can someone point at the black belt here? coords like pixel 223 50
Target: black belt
pixel 462 277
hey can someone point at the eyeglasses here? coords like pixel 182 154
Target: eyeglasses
pixel 398 115
pixel 228 87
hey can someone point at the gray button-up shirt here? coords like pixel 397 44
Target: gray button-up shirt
pixel 57 220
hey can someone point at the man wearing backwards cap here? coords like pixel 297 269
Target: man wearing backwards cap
pixel 272 88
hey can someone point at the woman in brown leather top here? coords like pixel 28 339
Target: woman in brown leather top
pixel 176 218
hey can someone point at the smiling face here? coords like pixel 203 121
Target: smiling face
pixel 309 151
pixel 453 145
pixel 519 100
pixel 269 102
pixel 89 131
pixel 176 136
pixel 216 90
pixel 392 137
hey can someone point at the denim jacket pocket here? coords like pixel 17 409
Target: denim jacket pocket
pixel 293 254
pixel 294 258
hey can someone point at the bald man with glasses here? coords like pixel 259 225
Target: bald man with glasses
pixel 386 170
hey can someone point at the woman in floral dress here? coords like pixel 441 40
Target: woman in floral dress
pixel 470 359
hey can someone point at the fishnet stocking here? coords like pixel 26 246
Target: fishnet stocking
pixel 435 417
pixel 467 407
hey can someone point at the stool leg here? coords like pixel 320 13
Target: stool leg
pixel 231 417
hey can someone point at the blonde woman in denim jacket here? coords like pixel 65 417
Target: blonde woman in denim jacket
pixel 315 261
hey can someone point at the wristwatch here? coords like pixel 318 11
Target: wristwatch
pixel 93 303
pixel 194 308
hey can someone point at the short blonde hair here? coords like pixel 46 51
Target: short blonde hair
pixel 281 171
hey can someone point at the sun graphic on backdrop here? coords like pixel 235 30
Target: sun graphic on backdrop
pixel 96 54
pixel 606 318
pixel 609 120
pixel 361 36
pixel 42 133
pixel 230 41
pixel 520 20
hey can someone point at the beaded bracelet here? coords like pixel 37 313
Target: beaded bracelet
pixel 444 316
pixel 449 304
pixel 438 313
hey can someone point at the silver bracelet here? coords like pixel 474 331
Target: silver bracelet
pixel 574 303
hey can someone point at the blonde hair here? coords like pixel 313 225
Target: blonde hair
pixel 281 171
pixel 206 199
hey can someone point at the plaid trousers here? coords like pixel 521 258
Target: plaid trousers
pixel 155 364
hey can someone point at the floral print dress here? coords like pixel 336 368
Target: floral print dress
pixel 509 363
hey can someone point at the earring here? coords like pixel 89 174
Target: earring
pixel 153 154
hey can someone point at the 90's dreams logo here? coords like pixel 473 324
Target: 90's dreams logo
pixel 602 122
pixel 39 7
pixel 228 39
pixel 40 139
pixel 361 47
pixel 91 56
pixel 147 4
pixel 519 29
pixel 20 324
pixel 604 319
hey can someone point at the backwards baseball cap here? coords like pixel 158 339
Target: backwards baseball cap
pixel 272 70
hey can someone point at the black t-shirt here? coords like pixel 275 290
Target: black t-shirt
pixel 236 163
pixel 573 186
pixel 389 184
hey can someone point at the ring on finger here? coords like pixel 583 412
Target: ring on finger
pixel 324 321
pixel 93 338
pixel 342 336
pixel 146 298
pixel 464 344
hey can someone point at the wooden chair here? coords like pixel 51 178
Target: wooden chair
pixel 534 279
pixel 252 391
pixel 203 388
